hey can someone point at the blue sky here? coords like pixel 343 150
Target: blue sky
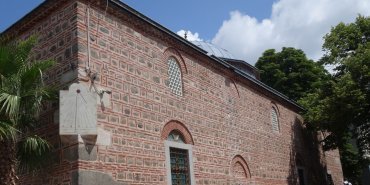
pixel 13 10
pixel 175 15
pixel 245 28
pixel 202 16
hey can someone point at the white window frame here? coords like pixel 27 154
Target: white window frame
pixel 189 148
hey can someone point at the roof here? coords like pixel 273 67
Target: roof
pixel 213 49
pixel 49 5
pixel 244 66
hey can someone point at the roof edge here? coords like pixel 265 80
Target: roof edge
pixel 261 84
pixel 240 61
pixel 30 13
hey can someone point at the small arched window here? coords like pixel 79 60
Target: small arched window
pixel 240 170
pixel 174 75
pixel 274 120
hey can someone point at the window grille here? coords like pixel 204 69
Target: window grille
pixel 274 120
pixel 174 73
pixel 179 166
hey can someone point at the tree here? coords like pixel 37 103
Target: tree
pixel 290 72
pixel 337 104
pixel 21 93
pixel 342 106
pixel 348 47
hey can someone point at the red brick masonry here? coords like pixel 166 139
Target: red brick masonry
pixel 228 125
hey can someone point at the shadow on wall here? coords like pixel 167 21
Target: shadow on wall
pixel 307 162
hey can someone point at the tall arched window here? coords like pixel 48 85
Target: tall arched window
pixel 274 120
pixel 179 161
pixel 174 75
pixel 178 151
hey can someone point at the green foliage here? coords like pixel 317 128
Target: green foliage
pixel 290 72
pixel 337 104
pixel 7 131
pixel 22 92
pixel 347 100
pixel 351 164
pixel 33 151
pixel 342 107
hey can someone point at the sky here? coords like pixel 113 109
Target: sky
pixel 245 28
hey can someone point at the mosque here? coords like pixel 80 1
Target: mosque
pixel 141 105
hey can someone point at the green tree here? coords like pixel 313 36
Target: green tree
pixel 21 93
pixel 347 47
pixel 342 106
pixel 290 72
pixel 338 103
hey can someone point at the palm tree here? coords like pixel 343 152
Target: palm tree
pixel 21 93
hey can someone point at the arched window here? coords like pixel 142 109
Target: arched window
pixel 274 120
pixel 179 160
pixel 239 170
pixel 174 76
pixel 178 151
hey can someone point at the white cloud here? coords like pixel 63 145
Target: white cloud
pixel 293 23
pixel 190 35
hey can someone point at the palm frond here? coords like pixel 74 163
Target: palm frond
pixel 32 100
pixel 9 103
pixel 32 73
pixel 23 49
pixel 14 55
pixel 22 92
pixel 7 131
pixel 27 123
pixel 7 66
pixel 33 152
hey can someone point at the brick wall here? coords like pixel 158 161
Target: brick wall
pixel 224 115
pixel 57 40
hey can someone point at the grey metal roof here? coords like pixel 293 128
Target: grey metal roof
pixel 213 49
